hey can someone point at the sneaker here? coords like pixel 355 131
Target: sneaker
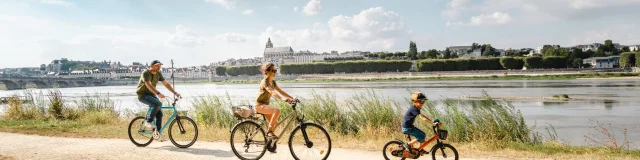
pixel 159 137
pixel 272 135
pixel 149 125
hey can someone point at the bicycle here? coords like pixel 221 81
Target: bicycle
pixel 304 137
pixel 398 151
pixel 182 123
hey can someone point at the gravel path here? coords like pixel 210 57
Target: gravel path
pixel 41 147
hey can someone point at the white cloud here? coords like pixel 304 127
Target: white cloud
pixel 247 12
pixel 372 29
pixel 229 4
pixel 458 3
pixel 584 4
pixel 312 8
pixel 496 18
pixel 295 9
pixel 57 2
pixel 184 37
pixel 625 34
pixel 233 37
pixel 450 14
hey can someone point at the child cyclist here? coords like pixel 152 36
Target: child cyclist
pixel 409 118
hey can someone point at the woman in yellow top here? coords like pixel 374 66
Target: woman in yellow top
pixel 268 88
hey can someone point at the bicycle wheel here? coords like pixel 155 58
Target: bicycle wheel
pixel 248 140
pixel 183 132
pixel 318 145
pixel 391 149
pixel 444 151
pixel 137 133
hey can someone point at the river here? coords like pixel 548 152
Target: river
pixel 571 119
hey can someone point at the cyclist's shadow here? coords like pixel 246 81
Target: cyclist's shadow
pixel 199 151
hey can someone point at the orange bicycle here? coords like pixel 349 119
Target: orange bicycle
pixel 396 150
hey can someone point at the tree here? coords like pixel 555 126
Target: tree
pixel 422 55
pixel 489 51
pixel 474 45
pixel 43 67
pixel 447 54
pixel 433 54
pixel 626 49
pixel 413 51
pixel 221 70
pixel 382 55
pixel 600 52
pixel 589 53
pixel 577 63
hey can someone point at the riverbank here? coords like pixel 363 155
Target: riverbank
pixel 489 128
pixel 348 78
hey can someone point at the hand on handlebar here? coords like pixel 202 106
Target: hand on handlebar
pixel 178 95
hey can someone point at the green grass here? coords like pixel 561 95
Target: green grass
pixel 366 120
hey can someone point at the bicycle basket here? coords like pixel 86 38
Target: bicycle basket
pixel 442 134
pixel 243 111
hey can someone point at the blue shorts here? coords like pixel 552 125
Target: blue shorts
pixel 415 132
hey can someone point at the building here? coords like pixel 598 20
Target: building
pixel 477 53
pixel 634 48
pixel 275 54
pixel 459 50
pixel 603 62
pixel 287 55
pixel 592 47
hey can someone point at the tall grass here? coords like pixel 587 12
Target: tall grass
pixel 214 110
pixel 368 115
pixel 485 120
pixel 92 108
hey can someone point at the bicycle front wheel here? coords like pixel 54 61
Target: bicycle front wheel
pixel 183 132
pixel 137 133
pixel 248 140
pixel 444 151
pixel 310 141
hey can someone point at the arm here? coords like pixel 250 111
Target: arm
pixel 275 94
pixel 424 118
pixel 151 88
pixel 166 84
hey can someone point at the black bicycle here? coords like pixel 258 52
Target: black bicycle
pixel 249 141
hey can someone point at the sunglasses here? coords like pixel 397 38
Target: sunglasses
pixel 422 101
pixel 274 70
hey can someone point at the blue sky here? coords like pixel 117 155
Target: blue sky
pixel 198 32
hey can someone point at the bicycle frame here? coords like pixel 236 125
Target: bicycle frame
pixel 289 119
pixel 434 138
pixel 171 118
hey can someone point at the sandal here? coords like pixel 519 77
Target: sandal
pixel 272 135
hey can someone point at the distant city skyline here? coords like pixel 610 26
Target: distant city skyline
pixel 199 32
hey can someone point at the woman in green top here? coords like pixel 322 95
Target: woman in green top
pixel 268 88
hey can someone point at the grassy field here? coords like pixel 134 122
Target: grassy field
pixel 487 128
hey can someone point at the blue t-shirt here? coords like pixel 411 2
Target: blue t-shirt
pixel 410 117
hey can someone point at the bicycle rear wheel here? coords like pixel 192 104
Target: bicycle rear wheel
pixel 183 132
pixel 316 145
pixel 248 141
pixel 391 148
pixel 137 133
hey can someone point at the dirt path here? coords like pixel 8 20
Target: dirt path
pixel 40 147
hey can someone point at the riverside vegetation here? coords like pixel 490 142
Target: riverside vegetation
pixel 486 128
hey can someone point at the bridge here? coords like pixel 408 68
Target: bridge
pixel 13 83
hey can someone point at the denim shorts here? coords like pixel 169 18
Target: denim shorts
pixel 415 132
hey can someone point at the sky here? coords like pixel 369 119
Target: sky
pixel 199 32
